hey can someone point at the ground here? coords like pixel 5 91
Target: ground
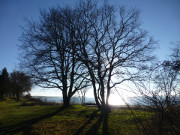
pixel 29 118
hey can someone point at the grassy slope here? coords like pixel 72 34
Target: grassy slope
pixel 77 119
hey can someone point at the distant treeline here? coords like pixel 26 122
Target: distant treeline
pixel 13 84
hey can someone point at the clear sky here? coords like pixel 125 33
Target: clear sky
pixel 161 18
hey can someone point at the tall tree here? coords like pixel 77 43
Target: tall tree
pixel 69 47
pixel 20 83
pixel 111 45
pixel 4 83
pixel 49 50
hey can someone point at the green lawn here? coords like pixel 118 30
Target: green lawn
pixel 76 119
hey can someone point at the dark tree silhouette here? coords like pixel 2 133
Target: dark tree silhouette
pixel 49 53
pixel 4 83
pixel 19 83
pixel 68 48
pixel 111 45
pixel 173 64
pixel 1 89
pixel 161 93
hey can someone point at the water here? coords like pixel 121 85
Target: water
pixel 76 100
pixel 60 99
pixel 132 100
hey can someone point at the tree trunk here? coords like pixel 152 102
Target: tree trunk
pixel 66 102
pixel 1 97
pixel 66 99
pixel 161 117
pixel 17 97
pixel 105 109
pixel 94 88
pixel 96 99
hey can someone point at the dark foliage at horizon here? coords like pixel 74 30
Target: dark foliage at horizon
pixel 14 85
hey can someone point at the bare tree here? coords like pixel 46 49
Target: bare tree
pixel 161 94
pixel 90 42
pixel 111 45
pixel 48 52
pixel 82 95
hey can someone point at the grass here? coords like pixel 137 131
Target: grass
pixel 76 119
pixel 14 117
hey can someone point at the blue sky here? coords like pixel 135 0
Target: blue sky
pixel 161 18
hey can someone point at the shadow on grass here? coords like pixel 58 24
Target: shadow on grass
pixel 103 119
pixel 25 126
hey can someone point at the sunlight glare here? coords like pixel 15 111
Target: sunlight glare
pixel 115 100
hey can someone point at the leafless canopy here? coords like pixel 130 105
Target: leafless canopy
pixel 111 45
pixel 48 53
pixel 161 93
pixel 90 42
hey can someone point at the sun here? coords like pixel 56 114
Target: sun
pixel 115 100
